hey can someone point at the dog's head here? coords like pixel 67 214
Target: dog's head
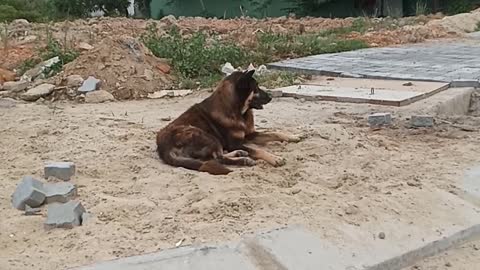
pixel 248 94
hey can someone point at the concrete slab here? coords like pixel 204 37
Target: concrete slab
pixel 432 61
pixel 380 92
pixel 184 258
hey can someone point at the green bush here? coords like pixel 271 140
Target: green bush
pixel 8 13
pixel 33 11
pixel 193 57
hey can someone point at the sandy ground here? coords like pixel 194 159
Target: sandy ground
pixel 343 173
pixel 466 257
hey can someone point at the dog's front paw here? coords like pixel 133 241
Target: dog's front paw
pixel 278 161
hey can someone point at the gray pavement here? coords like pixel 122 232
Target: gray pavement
pixel 432 61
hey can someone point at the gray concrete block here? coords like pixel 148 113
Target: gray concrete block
pixel 59 192
pixel 64 215
pixel 60 170
pixel 28 192
pixel 379 119
pixel 422 121
pixel 90 84
pixel 184 258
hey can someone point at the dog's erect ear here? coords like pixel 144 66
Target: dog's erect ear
pixel 249 73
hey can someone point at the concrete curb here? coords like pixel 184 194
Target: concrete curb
pixel 431 249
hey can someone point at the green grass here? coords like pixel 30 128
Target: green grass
pixel 273 47
pixel 196 60
pixel 193 57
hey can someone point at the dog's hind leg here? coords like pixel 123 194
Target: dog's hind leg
pixel 235 153
pixel 238 161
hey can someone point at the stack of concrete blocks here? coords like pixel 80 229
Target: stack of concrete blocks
pixel 62 210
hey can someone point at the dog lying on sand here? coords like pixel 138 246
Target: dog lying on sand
pixel 220 130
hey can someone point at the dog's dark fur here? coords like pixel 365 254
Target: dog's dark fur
pixel 220 130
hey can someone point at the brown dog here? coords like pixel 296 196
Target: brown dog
pixel 220 130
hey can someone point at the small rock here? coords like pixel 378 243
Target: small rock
pixel 19 22
pixel 421 121
pixel 83 46
pixel 261 70
pixel 59 192
pixel 351 210
pixel 295 191
pixel 164 68
pixel 413 183
pixel 379 119
pixel 227 69
pixel 448 264
pixel 148 74
pixel 275 93
pixel 38 92
pixel 169 93
pixel 6 75
pixel 98 96
pixel 74 80
pixel 381 235
pixel 407 84
pixel 169 20
pixel 28 192
pixel 7 103
pixel 90 84
pixel 28 39
pixel 15 86
pixel 60 170
pixel 29 211
pixel 64 215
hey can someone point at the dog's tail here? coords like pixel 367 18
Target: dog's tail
pixel 211 166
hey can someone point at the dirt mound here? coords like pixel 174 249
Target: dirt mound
pixel 127 69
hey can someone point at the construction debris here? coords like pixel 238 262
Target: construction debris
pixel 379 119
pixel 90 84
pixel 64 215
pixel 421 121
pixel 59 192
pixel 29 192
pixel 60 170
pixel 98 96
pixel 38 92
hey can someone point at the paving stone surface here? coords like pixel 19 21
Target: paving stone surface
pixel 433 61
